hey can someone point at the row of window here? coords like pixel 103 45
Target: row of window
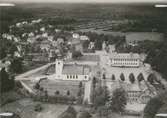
pixel 134 99
pixel 125 59
pixel 126 63
pixel 133 95
pixel 74 77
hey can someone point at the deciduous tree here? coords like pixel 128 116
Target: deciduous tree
pixel 118 100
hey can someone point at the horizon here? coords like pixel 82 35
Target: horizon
pixel 82 1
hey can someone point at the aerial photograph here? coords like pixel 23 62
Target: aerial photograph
pixel 83 58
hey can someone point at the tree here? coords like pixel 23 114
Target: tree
pixel 80 89
pixel 84 114
pixel 57 92
pixel 68 92
pixel 151 78
pixel 69 113
pixel 37 86
pixel 80 85
pixel 16 65
pixel 118 100
pixel 113 77
pixel 104 76
pixel 152 107
pixel 6 83
pixel 94 81
pixel 76 54
pixel 2 53
pixel 101 96
pixel 122 77
pixel 103 111
pixel 38 108
pixel 131 78
pixel 140 77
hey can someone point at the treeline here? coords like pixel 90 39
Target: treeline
pixel 156 105
pixel 100 38
pixel 156 53
pixel 59 21
pixel 142 25
pixel 10 15
pixel 157 57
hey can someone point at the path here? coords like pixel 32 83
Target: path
pixel 87 91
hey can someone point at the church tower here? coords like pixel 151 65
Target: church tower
pixel 59 66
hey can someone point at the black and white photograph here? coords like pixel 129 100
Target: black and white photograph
pixel 83 58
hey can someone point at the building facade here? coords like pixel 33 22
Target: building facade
pixel 125 60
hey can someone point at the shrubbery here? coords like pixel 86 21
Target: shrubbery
pixel 55 99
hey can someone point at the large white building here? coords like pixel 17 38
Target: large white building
pixel 125 59
pixel 71 71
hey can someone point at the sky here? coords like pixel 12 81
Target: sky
pixel 88 1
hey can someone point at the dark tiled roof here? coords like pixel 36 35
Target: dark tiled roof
pixel 90 58
pixel 75 69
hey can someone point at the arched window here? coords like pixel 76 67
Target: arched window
pixel 122 77
pixel 140 77
pixel 131 78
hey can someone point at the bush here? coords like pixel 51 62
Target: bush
pixel 38 108
pixel 152 107
pixel 119 100
pixel 84 114
pixel 69 113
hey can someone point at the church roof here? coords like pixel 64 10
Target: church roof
pixel 124 56
pixel 75 69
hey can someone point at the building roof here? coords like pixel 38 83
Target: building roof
pixel 85 58
pixel 90 58
pixel 75 69
pixel 141 36
pixel 124 56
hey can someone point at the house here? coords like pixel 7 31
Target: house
pixel 45 34
pixel 91 45
pixel 75 36
pixel 60 40
pixel 5 65
pixel 84 38
pixel 42 29
pixel 45 45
